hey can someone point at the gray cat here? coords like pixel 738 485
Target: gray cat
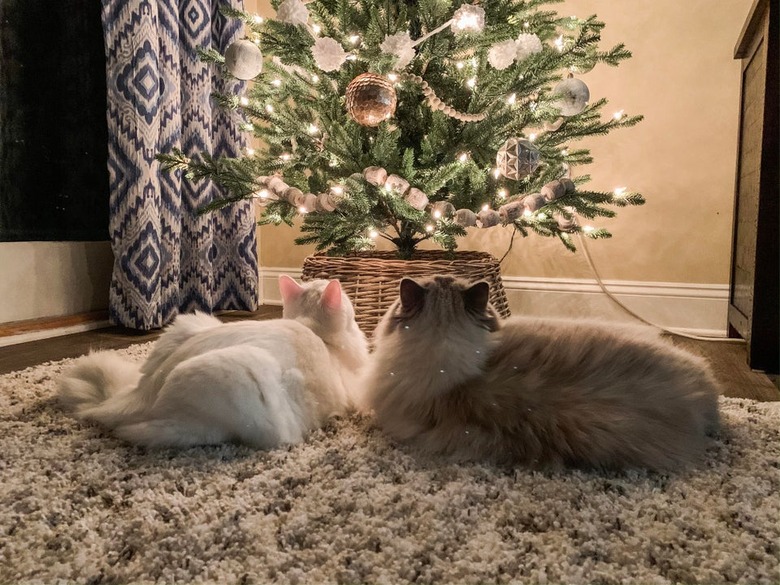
pixel 452 379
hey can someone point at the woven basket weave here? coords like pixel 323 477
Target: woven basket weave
pixel 371 279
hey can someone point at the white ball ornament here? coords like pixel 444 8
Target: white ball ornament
pixel 517 158
pixel 292 12
pixel 468 19
pixel 328 54
pixel 400 45
pixel 244 60
pixel 527 45
pixel 573 96
pixel 502 55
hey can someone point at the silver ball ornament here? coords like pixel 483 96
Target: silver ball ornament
pixel 244 60
pixel 573 96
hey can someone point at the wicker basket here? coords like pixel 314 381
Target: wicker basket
pixel 371 279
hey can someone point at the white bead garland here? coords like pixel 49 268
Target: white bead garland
pixel 436 104
pixel 377 176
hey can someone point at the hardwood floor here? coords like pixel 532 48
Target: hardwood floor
pixel 729 361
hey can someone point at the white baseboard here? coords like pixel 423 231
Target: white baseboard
pixel 698 309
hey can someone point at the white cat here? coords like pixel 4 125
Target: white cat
pixel 452 379
pixel 262 383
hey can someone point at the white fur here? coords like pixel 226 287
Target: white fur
pixel 263 383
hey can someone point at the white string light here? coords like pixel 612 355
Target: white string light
pixel 244 101
pixel 276 82
pixel 269 108
pixel 354 39
pixel 429 228
pixel 250 151
pixel 620 192
pixel 285 157
pixel 511 99
pixel 258 19
pixel 618 115
pixel 313 129
pixel 436 214
pixel 316 28
pixel 302 210
pixel 502 193
pixel 463 157
pixel 559 43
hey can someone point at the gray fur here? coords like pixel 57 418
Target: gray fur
pixel 450 378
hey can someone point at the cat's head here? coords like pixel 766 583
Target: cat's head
pixel 440 303
pixel 321 304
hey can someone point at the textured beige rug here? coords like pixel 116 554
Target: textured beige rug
pixel 349 507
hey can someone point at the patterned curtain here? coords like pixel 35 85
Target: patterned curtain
pixel 167 259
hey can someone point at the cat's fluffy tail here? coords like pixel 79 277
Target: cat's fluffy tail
pixel 100 387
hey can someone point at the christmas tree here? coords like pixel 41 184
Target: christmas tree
pixel 412 121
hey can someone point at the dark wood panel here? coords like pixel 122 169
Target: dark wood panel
pixel 754 303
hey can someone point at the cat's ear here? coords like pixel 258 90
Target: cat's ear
pixel 412 294
pixel 331 296
pixel 289 289
pixel 476 297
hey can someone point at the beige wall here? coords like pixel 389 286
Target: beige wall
pixel 48 279
pixel 685 82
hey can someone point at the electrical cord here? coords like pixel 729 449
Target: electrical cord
pixel 617 301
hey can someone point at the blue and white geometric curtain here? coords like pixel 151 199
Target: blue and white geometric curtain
pixel 167 259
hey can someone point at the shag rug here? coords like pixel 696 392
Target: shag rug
pixel 348 506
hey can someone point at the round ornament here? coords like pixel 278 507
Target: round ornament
pixel 244 60
pixel 573 96
pixel 469 18
pixel 527 45
pixel 292 12
pixel 328 54
pixel 517 158
pixel 371 99
pixel 502 55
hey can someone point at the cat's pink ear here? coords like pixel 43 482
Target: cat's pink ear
pixel 331 296
pixel 412 294
pixel 289 289
pixel 476 297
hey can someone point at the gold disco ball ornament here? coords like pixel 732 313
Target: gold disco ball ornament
pixel 371 99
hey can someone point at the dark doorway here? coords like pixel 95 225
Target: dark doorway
pixel 53 136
